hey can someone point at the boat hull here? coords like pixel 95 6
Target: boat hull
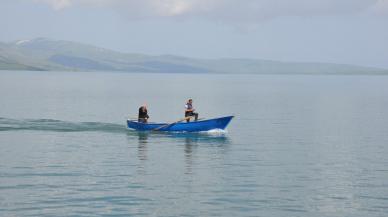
pixel 193 126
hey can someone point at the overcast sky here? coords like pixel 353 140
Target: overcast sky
pixel 338 31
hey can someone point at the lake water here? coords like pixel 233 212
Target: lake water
pixel 299 145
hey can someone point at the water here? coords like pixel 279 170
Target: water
pixel 299 145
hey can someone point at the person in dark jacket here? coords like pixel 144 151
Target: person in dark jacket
pixel 143 114
pixel 189 110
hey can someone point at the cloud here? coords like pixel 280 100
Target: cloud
pixel 238 11
pixel 56 4
pixel 381 7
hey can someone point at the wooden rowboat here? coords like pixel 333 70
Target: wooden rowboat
pixel 182 125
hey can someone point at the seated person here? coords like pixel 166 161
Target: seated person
pixel 143 114
pixel 189 111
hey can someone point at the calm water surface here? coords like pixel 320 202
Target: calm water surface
pixel 299 146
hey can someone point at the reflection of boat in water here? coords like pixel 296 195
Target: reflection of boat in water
pixel 144 138
pixel 146 142
pixel 194 126
pixel 142 145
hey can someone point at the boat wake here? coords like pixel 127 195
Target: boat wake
pixel 215 132
pixel 7 124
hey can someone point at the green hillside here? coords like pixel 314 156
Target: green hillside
pixel 50 55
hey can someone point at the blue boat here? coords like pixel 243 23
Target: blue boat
pixel 180 126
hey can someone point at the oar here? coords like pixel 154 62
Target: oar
pixel 167 125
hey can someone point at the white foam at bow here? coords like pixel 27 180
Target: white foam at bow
pixel 215 132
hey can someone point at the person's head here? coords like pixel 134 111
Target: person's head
pixel 190 101
pixel 144 107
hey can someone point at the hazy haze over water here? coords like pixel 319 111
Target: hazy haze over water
pixel 336 31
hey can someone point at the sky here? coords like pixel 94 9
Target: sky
pixel 335 31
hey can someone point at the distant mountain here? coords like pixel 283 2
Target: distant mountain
pixel 50 55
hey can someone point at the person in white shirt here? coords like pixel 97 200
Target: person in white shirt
pixel 189 110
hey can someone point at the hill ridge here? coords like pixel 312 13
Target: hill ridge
pixel 50 55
